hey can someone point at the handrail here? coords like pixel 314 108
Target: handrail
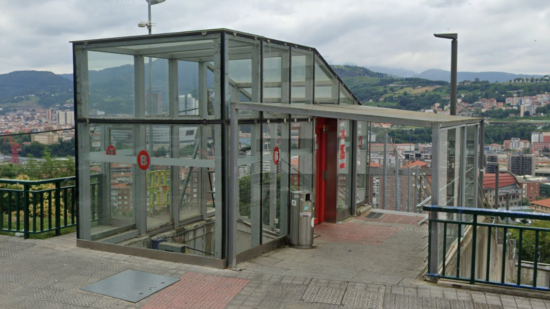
pixel 38 211
pixel 438 267
pixel 487 212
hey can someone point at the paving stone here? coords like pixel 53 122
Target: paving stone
pixel 362 299
pixel 324 295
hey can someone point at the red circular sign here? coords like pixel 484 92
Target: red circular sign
pixel 143 160
pixel 276 155
pixel 111 150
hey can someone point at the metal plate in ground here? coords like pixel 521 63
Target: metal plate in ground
pixel 130 285
pixel 374 215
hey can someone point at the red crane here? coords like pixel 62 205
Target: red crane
pixel 15 147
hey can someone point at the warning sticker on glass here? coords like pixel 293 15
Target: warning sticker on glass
pixel 305 214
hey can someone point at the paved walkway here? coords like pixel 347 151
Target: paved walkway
pixel 343 271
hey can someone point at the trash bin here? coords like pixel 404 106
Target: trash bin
pixel 301 219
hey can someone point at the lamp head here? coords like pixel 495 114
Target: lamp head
pixel 153 2
pixel 452 36
pixel 142 24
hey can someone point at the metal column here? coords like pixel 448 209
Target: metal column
pixel 233 178
pixel 434 228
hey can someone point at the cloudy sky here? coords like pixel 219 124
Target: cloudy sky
pixel 494 35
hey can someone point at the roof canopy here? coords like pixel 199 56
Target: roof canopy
pixel 361 113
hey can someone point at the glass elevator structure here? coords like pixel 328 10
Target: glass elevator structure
pixel 189 144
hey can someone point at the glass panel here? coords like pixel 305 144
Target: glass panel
pixel 471 164
pixel 243 78
pixel 111 85
pixel 302 76
pixel 345 97
pixel 276 87
pixel 344 170
pixel 326 86
pixel 115 208
pixel 156 85
pixel 250 170
pixel 302 162
pixel 275 180
pixel 158 184
pixel 196 184
pixel 362 143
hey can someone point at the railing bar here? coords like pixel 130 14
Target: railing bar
pixel 504 255
pixel 9 211
pixel 17 213
pixel 65 206
pixel 50 210
pixel 430 230
pixel 73 206
pixel 458 245
pixel 1 211
pixel 519 256
pixel 444 247
pixel 488 265
pixel 33 212
pixel 41 195
pixel 536 261
pixel 474 247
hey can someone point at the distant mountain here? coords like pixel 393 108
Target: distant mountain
pixel 436 74
pixel 48 87
pixel 393 71
pixel 346 71
pixel 68 76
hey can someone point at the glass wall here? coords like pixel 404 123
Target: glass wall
pixel 242 82
pixel 344 169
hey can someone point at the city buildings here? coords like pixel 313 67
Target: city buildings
pixel 521 164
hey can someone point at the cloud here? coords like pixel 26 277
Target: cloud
pixel 503 35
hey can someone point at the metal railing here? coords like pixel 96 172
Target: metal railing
pixel 34 207
pixel 513 270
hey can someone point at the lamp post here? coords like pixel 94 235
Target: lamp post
pixel 454 48
pixel 149 25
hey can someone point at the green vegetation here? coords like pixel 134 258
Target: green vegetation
pixel 46 88
pixel 528 246
pixel 44 169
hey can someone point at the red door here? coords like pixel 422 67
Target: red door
pixel 320 170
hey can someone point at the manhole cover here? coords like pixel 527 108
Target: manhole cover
pixel 374 215
pixel 131 285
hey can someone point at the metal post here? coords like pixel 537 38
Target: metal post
pixel 26 212
pixel 409 189
pixel 434 228
pixel 352 169
pixel 233 187
pixel 454 54
pixel 397 183
pixel 454 48
pixel 385 169
pixel 57 206
pixel 497 173
pixel 481 159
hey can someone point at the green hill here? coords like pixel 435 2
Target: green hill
pixel 46 88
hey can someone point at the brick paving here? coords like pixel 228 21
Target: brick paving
pixel 196 290
pixel 350 232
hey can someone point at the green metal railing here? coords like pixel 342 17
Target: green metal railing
pixel 34 207
pixel 498 232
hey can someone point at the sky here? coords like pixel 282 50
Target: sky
pixel 493 35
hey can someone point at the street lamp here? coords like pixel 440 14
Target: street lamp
pixel 149 26
pixel 454 47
